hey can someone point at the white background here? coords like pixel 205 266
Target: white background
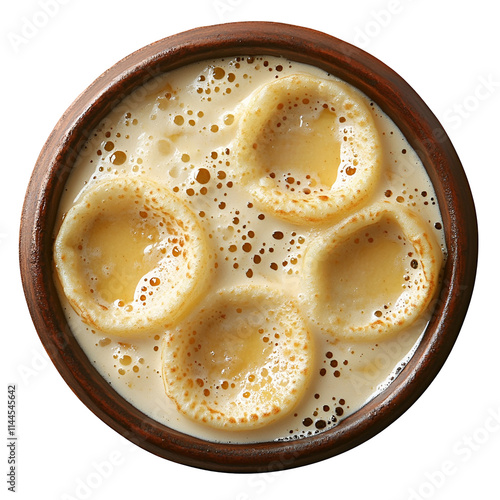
pixel 448 444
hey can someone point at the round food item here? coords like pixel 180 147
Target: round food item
pixel 307 148
pixel 241 362
pixel 373 274
pixel 131 257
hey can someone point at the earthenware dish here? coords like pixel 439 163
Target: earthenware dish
pixel 349 63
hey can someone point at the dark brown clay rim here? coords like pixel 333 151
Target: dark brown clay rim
pixel 380 83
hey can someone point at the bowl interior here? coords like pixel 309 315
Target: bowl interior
pixel 372 77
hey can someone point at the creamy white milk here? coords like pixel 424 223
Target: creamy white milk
pixel 178 130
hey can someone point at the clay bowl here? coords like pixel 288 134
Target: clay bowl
pixel 381 84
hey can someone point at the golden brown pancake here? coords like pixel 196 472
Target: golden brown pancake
pixel 131 256
pixel 241 362
pixel 373 274
pixel 307 148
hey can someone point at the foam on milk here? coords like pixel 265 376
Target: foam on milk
pixel 178 130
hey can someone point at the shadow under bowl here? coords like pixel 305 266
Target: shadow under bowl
pixel 396 98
